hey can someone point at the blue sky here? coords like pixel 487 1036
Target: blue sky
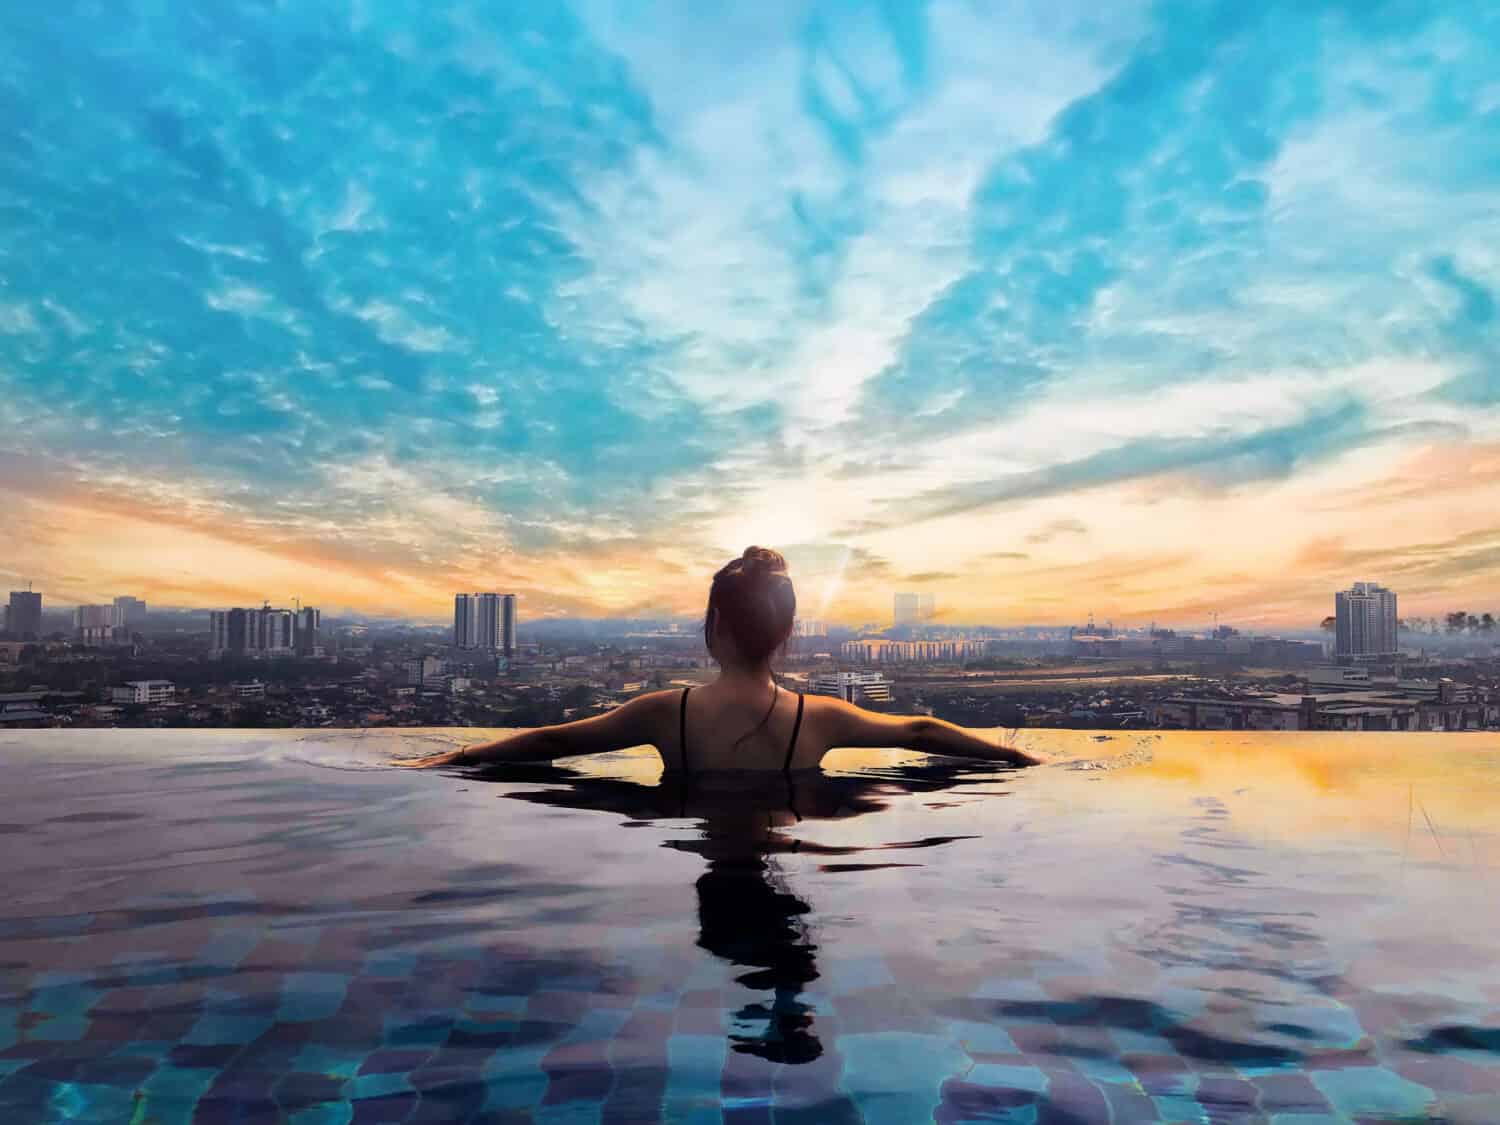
pixel 372 301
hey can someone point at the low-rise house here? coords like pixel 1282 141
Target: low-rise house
pixel 144 691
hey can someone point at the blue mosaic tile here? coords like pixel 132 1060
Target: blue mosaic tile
pixel 428 1029
pixel 986 1038
pixel 855 974
pixel 338 1114
pixel 376 1085
pixel 1131 1040
pixel 315 1058
pixel 220 1029
pixel 514 1079
pixel 229 947
pixel 1106 1070
pixel 389 963
pixel 311 996
pixel 1172 1109
pixel 181 1085
pixel 1013 988
pixel 1373 1090
pixel 895 1076
pixel 68 925
pixel 483 1002
pixel 569 1113
pixel 59 1029
pixel 694 1065
pixel 1027 1078
pixel 1318 1025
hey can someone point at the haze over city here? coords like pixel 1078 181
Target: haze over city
pixel 1044 311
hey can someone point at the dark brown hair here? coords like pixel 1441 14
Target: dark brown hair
pixel 753 598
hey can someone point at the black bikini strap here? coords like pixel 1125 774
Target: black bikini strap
pixel 682 728
pixel 791 747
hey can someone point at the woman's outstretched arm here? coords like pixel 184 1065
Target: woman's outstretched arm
pixel 853 726
pixel 634 723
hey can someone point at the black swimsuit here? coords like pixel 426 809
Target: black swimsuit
pixel 791 747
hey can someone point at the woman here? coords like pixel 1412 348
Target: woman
pixel 742 720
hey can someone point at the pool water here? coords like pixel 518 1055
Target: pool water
pixel 205 926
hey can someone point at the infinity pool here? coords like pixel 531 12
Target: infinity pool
pixel 274 926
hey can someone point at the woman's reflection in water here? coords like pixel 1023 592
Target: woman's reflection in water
pixel 747 915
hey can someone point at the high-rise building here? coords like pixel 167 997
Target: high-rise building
pixel 508 625
pixel 94 624
pixel 485 621
pixel 270 632
pixel 308 631
pixel 1365 622
pixel 93 616
pixel 913 609
pixel 490 621
pixel 809 627
pixel 128 613
pixel 264 631
pixel 24 621
pixel 227 630
pixel 426 672
pixel 465 621
pixel 905 609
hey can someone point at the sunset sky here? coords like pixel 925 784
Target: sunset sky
pixel 1149 310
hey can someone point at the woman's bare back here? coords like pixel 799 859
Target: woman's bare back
pixel 729 726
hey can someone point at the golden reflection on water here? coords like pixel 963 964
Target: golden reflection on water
pixel 1429 796
pixel 1432 796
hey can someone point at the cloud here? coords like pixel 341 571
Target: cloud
pixel 1472 553
pixel 585 294
pixel 1054 530
pixel 1224 460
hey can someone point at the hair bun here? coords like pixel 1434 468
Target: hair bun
pixel 763 560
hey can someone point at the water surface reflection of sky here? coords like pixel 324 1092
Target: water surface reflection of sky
pixel 1163 925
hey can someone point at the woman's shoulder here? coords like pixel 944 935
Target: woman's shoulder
pixel 655 700
pixel 843 723
pixel 650 705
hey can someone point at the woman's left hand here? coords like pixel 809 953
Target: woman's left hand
pixel 433 761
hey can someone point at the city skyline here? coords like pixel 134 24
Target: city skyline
pixel 495 615
pixel 1044 311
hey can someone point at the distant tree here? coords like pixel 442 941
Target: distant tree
pixel 1457 620
pixel 1487 623
pixel 1330 624
pixel 253 715
pixel 1471 624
